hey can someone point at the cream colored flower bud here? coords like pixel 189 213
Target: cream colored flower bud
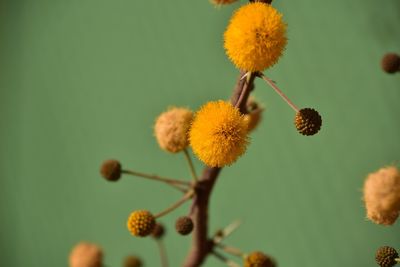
pixel 171 129
pixel 86 254
pixel 382 195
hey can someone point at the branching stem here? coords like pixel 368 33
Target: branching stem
pixel 191 166
pixel 185 198
pixel 202 246
pixel 227 261
pixel 178 184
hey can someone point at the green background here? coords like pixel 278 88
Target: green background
pixel 83 80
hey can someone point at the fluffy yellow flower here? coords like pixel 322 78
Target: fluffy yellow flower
pixel 255 37
pixel 141 223
pixel 218 135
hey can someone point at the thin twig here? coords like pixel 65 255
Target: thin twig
pixel 231 250
pixel 186 197
pixel 156 177
pixel 163 254
pixel 191 166
pixel 227 261
pixel 279 91
pixel 227 231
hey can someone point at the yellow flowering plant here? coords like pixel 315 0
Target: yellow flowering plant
pixel 218 134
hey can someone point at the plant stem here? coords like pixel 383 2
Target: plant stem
pixel 186 197
pixel 275 87
pixel 163 254
pixel 226 260
pixel 201 244
pixel 231 250
pixel 175 183
pixel 191 166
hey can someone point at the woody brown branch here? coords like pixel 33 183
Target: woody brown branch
pixel 202 245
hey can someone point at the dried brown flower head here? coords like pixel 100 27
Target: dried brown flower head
pixel 158 231
pixel 171 129
pixel 258 259
pixel 308 121
pixel 391 63
pixel 133 261
pixel 386 256
pixel 86 254
pixel 184 225
pixel 254 115
pixel 111 170
pixel 382 195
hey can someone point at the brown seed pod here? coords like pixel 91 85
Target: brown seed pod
pixel 158 231
pixel 258 259
pixel 254 115
pixel 133 261
pixel 308 121
pixel 141 223
pixel 385 256
pixel 184 225
pixel 111 170
pixel 86 254
pixel 391 63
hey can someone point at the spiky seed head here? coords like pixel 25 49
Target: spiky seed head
pixel 258 259
pixel 133 261
pixel 171 129
pixel 385 256
pixel 184 225
pixel 382 195
pixel 308 121
pixel 391 63
pixel 158 231
pixel 111 170
pixel 86 254
pixel 141 223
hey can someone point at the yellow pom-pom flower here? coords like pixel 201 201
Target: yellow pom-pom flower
pixel 141 223
pixel 256 37
pixel 218 135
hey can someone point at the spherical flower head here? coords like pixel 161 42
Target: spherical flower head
pixel 218 135
pixel 386 256
pixel 258 259
pixel 132 261
pixel 256 37
pixel 184 225
pixel 111 170
pixel 171 129
pixel 86 254
pixel 141 223
pixel 308 121
pixel 382 195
